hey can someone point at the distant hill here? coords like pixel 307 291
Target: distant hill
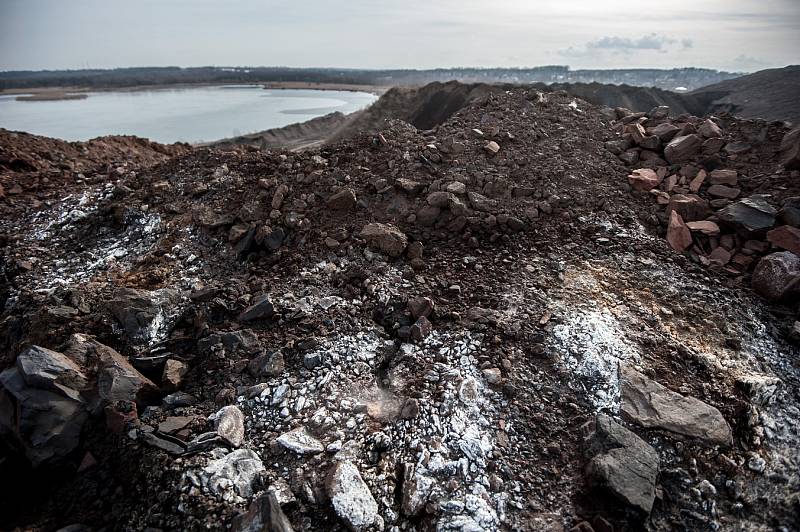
pixel 687 78
pixel 772 94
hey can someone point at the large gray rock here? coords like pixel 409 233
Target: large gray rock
pixel 750 217
pixel 777 276
pixel 352 501
pixel 50 370
pixel 237 470
pixel 652 405
pixel 623 465
pixel 41 407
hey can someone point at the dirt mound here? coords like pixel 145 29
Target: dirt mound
pixel 34 168
pixel 769 94
pixel 473 326
pixel 423 107
pixel 629 97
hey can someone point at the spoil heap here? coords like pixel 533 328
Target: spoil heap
pixel 474 327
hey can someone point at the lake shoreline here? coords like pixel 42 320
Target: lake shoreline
pixel 194 113
pixel 76 93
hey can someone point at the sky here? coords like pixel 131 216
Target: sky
pixel 734 35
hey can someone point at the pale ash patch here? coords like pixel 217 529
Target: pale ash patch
pixel 452 437
pixel 72 268
pixel 592 343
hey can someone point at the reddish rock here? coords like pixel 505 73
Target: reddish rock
pixel 492 147
pixel 785 237
pixel 666 131
pixel 119 416
pixel 678 234
pixel 343 200
pixel 387 238
pixel 713 146
pixel 706 227
pixel 644 179
pixel 759 246
pixel 777 276
pixel 671 182
pixel 636 131
pixel 697 182
pixel 742 261
pixel 682 148
pixel 88 462
pixel 175 424
pixel 662 198
pixel 724 177
pixel 690 208
pixel 720 255
pixel 172 376
pixel 722 191
pixel 709 129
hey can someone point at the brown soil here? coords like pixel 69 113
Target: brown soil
pixel 556 274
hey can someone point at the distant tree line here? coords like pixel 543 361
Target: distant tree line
pixel 689 78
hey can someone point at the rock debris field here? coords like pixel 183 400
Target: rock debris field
pixel 539 315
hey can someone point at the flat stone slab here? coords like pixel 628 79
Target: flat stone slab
pixel 652 405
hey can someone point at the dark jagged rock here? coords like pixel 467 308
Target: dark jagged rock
pixel 263 515
pixel 261 308
pixel 623 465
pixel 751 217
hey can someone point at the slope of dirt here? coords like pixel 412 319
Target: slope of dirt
pixel 34 169
pixel 309 134
pixel 769 94
pixel 444 371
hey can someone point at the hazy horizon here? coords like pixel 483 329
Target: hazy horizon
pixel 734 35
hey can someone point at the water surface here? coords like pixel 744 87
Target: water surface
pixel 195 114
